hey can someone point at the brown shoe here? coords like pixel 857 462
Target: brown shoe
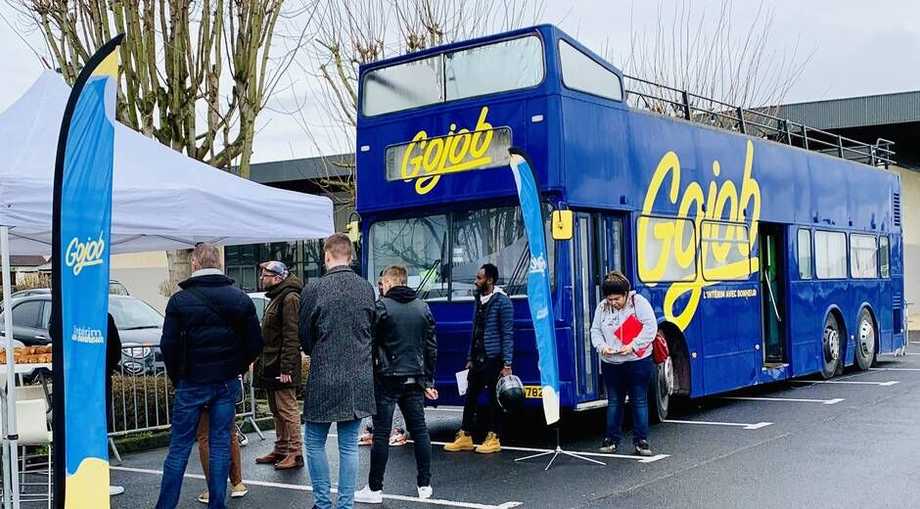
pixel 269 459
pixel 289 462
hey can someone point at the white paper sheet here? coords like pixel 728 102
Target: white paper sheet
pixel 462 382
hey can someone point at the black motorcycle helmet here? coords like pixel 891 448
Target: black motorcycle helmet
pixel 510 393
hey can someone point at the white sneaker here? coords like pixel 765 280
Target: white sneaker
pixel 369 496
pixel 116 490
pixel 424 492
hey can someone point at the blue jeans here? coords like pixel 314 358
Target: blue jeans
pixel 220 399
pixel 631 378
pixel 315 434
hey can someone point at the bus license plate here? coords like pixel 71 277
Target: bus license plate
pixel 533 391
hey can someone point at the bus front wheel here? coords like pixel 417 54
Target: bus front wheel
pixel 660 391
pixel 830 347
pixel 865 346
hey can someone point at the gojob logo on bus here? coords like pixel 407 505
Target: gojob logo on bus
pixel 726 217
pixel 426 159
pixel 84 254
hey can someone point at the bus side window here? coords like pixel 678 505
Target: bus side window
pixel 884 254
pixel 803 245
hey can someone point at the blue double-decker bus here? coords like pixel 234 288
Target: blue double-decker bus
pixel 769 250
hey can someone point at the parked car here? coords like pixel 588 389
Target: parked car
pixel 115 288
pixel 140 327
pixel 261 301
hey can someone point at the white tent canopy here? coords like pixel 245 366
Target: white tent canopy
pixel 161 199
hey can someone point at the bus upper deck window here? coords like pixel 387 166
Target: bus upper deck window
pixel 499 67
pixel 403 86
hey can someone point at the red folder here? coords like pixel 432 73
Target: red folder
pixel 629 330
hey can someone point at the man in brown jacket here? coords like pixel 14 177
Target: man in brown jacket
pixel 278 369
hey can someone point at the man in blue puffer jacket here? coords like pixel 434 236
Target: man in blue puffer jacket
pixel 490 356
pixel 210 336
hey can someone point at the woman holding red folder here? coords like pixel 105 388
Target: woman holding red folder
pixel 623 330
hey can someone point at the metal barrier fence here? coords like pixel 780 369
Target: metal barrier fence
pixel 142 396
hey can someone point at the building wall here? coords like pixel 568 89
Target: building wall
pixel 143 274
pixel 910 225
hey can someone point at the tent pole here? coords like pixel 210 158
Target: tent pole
pixel 11 470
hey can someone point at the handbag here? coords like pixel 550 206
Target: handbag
pixel 660 351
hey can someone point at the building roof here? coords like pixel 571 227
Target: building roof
pixel 864 111
pixel 310 168
pixel 27 260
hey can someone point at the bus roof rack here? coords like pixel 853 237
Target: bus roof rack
pixel 759 122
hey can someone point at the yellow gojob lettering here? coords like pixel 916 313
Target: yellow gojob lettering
pixel 427 159
pixel 723 203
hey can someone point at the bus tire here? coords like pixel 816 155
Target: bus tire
pixel 659 394
pixel 830 347
pixel 865 340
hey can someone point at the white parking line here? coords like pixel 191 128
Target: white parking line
pixel 302 487
pixel 454 409
pixel 742 425
pixel 795 400
pixel 880 384
pixel 895 369
pixel 640 459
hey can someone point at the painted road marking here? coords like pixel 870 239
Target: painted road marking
pixel 640 459
pixel 795 400
pixel 851 382
pixel 742 425
pixel 895 369
pixel 301 487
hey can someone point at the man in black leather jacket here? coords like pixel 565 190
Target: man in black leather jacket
pixel 405 352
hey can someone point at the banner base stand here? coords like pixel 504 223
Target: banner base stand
pixel 555 454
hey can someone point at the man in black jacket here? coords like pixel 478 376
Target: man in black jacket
pixel 211 335
pixel 405 352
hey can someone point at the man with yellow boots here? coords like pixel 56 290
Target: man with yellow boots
pixel 490 356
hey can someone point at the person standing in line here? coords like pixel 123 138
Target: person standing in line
pixel 278 369
pixel 237 488
pixel 112 361
pixel 336 316
pixel 405 355
pixel 490 356
pixel 399 436
pixel 211 335
pixel 622 331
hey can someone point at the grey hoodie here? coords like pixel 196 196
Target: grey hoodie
pixel 607 320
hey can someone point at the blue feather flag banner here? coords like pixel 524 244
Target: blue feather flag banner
pixel 538 286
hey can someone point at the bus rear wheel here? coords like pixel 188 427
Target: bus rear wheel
pixel 865 341
pixel 830 348
pixel 660 390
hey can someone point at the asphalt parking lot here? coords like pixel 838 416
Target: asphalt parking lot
pixel 853 442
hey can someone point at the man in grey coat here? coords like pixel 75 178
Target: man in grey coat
pixel 336 316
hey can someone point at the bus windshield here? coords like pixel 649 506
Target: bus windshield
pixel 443 252
pixel 498 67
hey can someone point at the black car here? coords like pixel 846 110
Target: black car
pixel 140 327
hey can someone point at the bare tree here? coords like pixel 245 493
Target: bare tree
pixel 719 62
pixel 196 74
pixel 349 34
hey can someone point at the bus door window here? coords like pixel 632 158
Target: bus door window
pixel 772 262
pixel 585 268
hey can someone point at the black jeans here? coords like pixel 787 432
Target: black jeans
pixel 483 375
pixel 391 391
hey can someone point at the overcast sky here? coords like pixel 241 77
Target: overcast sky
pixel 855 47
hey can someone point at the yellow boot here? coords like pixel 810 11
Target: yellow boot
pixel 490 445
pixel 463 442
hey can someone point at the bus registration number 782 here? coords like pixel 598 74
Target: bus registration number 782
pixel 533 391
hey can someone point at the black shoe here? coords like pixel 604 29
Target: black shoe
pixel 608 445
pixel 642 448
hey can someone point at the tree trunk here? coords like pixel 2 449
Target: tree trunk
pixel 179 263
